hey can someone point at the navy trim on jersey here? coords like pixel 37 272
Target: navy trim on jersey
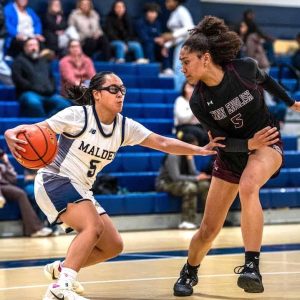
pixel 123 130
pixel 84 127
pixel 100 127
pixel 64 147
pixel 60 191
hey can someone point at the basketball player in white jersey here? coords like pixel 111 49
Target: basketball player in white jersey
pixel 90 136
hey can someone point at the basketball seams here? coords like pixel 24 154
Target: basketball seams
pixel 45 158
pixel 33 148
pixel 45 138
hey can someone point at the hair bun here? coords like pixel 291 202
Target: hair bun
pixel 212 26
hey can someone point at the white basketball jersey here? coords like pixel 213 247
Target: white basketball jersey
pixel 86 145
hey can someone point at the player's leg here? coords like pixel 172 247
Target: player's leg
pixel 83 218
pixel 262 164
pixel 215 212
pixel 108 246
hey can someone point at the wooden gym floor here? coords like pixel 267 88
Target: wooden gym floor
pixel 151 263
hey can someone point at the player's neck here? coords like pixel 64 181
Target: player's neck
pixel 214 76
pixel 105 117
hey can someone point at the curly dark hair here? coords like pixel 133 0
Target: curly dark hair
pixel 213 36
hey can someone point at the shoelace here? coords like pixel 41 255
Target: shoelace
pixel 246 267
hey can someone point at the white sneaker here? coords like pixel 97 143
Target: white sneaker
pixel 45 231
pixel 142 61
pixel 52 272
pixel 187 225
pixel 56 291
pixel 167 73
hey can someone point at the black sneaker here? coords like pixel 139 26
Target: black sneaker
pixel 250 279
pixel 184 285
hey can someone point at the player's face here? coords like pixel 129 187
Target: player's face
pixel 193 66
pixel 112 94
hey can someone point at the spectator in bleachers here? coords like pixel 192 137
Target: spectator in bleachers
pixel 184 119
pixel 56 29
pixel 35 85
pixel 148 28
pixel 21 23
pixel 296 56
pixel 179 177
pixel 87 22
pixel 75 67
pixel 179 22
pixel 249 19
pixel 5 71
pixel 9 192
pixel 254 47
pixel 120 32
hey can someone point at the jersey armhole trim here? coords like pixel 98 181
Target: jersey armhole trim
pixel 82 131
pixel 123 130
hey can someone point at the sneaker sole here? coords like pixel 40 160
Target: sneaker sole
pixel 182 294
pixel 250 285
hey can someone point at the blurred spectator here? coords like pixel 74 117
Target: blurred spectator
pixel 184 120
pixel 35 84
pixel 21 23
pixel 296 56
pixel 249 19
pixel 5 72
pixel 75 67
pixel 120 32
pixel 242 30
pixel 254 48
pixel 179 177
pixel 179 22
pixel 56 30
pixel 148 28
pixel 87 22
pixel 32 225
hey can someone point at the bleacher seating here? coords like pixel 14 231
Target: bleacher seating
pixel 150 101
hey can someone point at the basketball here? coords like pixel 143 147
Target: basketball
pixel 41 148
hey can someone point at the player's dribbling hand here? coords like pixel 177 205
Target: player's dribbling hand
pixel 296 106
pixel 13 142
pixel 265 137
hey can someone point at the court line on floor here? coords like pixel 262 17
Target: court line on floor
pixel 141 279
pixel 156 254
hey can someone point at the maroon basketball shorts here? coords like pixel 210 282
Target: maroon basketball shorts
pixel 229 166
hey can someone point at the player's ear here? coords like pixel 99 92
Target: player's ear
pixel 96 95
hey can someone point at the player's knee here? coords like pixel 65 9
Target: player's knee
pixel 117 245
pixel 247 187
pixel 95 231
pixel 208 232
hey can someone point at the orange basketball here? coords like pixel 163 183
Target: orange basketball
pixel 41 148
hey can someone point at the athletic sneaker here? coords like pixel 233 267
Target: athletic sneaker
pixel 187 225
pixel 186 281
pixel 52 272
pixel 250 279
pixel 66 292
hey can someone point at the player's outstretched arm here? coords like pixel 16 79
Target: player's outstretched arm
pixel 177 147
pixel 13 142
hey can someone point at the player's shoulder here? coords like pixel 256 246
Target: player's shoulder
pixel 246 63
pixel 246 67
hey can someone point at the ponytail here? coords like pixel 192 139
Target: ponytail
pixel 82 95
